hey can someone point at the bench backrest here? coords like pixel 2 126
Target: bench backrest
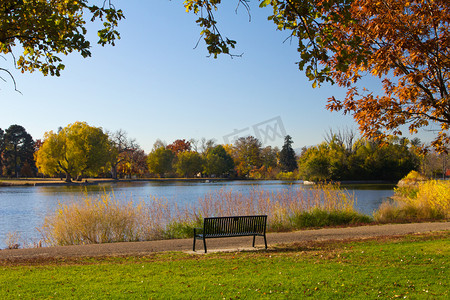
pixel 235 225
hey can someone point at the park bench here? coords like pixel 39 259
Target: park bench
pixel 219 227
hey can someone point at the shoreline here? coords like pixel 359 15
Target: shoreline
pixel 96 181
pixel 93 181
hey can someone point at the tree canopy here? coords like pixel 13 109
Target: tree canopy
pixel 34 33
pixel 247 155
pixel 218 162
pixel 76 150
pixel 189 164
pixel 160 161
pixel 405 44
pixel 179 146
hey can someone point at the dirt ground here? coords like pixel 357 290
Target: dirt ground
pixel 215 245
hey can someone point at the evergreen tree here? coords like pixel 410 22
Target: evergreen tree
pixel 17 151
pixel 288 162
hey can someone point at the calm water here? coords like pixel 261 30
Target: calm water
pixel 22 209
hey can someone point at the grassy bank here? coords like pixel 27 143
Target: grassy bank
pixel 413 266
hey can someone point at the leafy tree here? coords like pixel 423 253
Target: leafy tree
pixel 342 147
pixel 405 44
pixel 18 150
pixel 315 163
pixel 218 162
pixel 76 150
pixel 247 155
pixel 160 161
pixel 133 163
pixel 179 146
pixel 189 163
pixel 269 157
pixel 43 30
pixel 288 161
pixel 389 159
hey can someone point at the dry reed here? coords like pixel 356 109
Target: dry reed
pixel 279 206
pixel 105 219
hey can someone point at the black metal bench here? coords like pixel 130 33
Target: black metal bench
pixel 218 227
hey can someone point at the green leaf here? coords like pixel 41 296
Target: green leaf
pixel 264 3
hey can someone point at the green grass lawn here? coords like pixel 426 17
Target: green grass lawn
pixel 414 267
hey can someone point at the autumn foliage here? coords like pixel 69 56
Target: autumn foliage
pixel 34 34
pixel 403 43
pixel 406 44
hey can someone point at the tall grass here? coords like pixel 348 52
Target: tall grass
pixel 426 200
pixel 93 220
pixel 284 208
pixel 106 219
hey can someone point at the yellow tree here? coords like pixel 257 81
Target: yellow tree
pixel 188 164
pixel 403 43
pixel 35 32
pixel 76 150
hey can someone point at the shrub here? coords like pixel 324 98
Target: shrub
pixel 425 200
pixel 288 176
pixel 409 185
pixel 320 218
pixel 180 229
pixel 12 240
pixel 435 195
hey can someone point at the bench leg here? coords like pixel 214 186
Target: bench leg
pixel 193 247
pixel 265 241
pixel 204 243
pixel 254 241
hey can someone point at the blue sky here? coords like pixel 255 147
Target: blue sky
pixel 154 84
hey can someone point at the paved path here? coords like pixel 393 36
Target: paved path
pixel 225 244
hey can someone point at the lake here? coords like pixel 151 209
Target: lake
pixel 23 209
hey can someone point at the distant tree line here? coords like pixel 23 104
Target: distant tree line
pixel 343 157
pixel 80 150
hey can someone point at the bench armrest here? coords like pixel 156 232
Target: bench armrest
pixel 198 230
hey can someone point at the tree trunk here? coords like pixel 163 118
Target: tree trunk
pixel 68 177
pixel 114 171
